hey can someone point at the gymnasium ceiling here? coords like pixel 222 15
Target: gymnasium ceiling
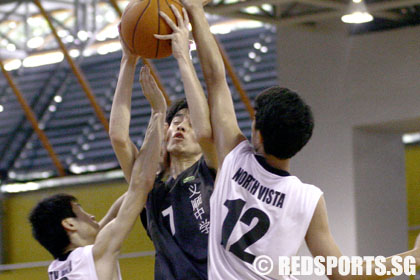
pixel 20 20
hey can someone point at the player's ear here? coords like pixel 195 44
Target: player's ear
pixel 69 224
pixel 258 141
pixel 165 132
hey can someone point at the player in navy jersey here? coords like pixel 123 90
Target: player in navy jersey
pixel 257 208
pixel 177 213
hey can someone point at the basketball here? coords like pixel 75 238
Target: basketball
pixel 141 20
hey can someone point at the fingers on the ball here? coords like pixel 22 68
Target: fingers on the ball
pixel 186 19
pixel 168 20
pixel 163 37
pixel 141 77
pixel 177 15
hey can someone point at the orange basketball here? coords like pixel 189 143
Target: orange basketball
pixel 141 20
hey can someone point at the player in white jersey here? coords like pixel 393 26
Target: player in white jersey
pixel 85 249
pixel 257 207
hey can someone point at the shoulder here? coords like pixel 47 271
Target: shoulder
pixel 306 188
pixel 243 148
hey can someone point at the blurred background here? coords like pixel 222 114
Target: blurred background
pixel 355 62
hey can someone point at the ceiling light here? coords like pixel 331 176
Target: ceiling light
pixel 252 10
pixel 74 53
pixel 11 47
pixel 62 33
pixel 43 59
pixel 411 138
pixel 83 35
pixel 12 24
pixel 35 42
pixel 13 64
pixel 267 7
pixel 58 98
pixel 357 17
pixel 357 14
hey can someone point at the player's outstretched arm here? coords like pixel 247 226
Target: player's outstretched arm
pixel 197 102
pixel 226 131
pixel 321 243
pixel 109 240
pixel 119 129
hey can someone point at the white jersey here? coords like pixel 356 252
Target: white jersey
pixel 255 210
pixel 79 265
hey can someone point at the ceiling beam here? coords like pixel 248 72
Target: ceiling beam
pixel 388 15
pixel 228 9
pixel 266 19
pixel 315 17
pixel 7 14
pixel 388 5
pixel 323 3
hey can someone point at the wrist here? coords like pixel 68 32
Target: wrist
pixel 195 10
pixel 158 112
pixel 129 58
pixel 183 59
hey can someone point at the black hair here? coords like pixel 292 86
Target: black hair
pixel 175 107
pixel 284 120
pixel 46 218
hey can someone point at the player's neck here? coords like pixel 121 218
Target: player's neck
pixel 282 164
pixel 181 162
pixel 77 241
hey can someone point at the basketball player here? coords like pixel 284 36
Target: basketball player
pixel 85 249
pixel 258 208
pixel 177 213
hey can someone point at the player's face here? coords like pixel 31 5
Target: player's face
pixel 87 226
pixel 180 138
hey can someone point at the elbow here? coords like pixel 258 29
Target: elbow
pixel 203 132
pixel 216 73
pixel 117 139
pixel 143 184
pixel 204 138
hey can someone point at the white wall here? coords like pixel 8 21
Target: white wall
pixel 365 92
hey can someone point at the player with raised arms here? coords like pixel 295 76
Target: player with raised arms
pixel 177 212
pixel 85 249
pixel 257 207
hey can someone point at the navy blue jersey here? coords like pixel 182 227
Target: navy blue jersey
pixel 177 219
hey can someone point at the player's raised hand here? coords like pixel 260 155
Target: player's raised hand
pixel 151 91
pixel 125 49
pixel 180 33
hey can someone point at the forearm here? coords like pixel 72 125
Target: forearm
pixel 147 161
pixel 124 148
pixel 207 47
pixel 197 101
pixel 121 105
pixel 225 129
pixel 109 240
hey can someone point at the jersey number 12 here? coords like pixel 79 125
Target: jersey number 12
pixel 256 233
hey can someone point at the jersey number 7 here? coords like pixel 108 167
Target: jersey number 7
pixel 257 232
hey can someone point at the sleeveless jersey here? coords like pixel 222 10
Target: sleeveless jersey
pixel 79 265
pixel 177 219
pixel 256 210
